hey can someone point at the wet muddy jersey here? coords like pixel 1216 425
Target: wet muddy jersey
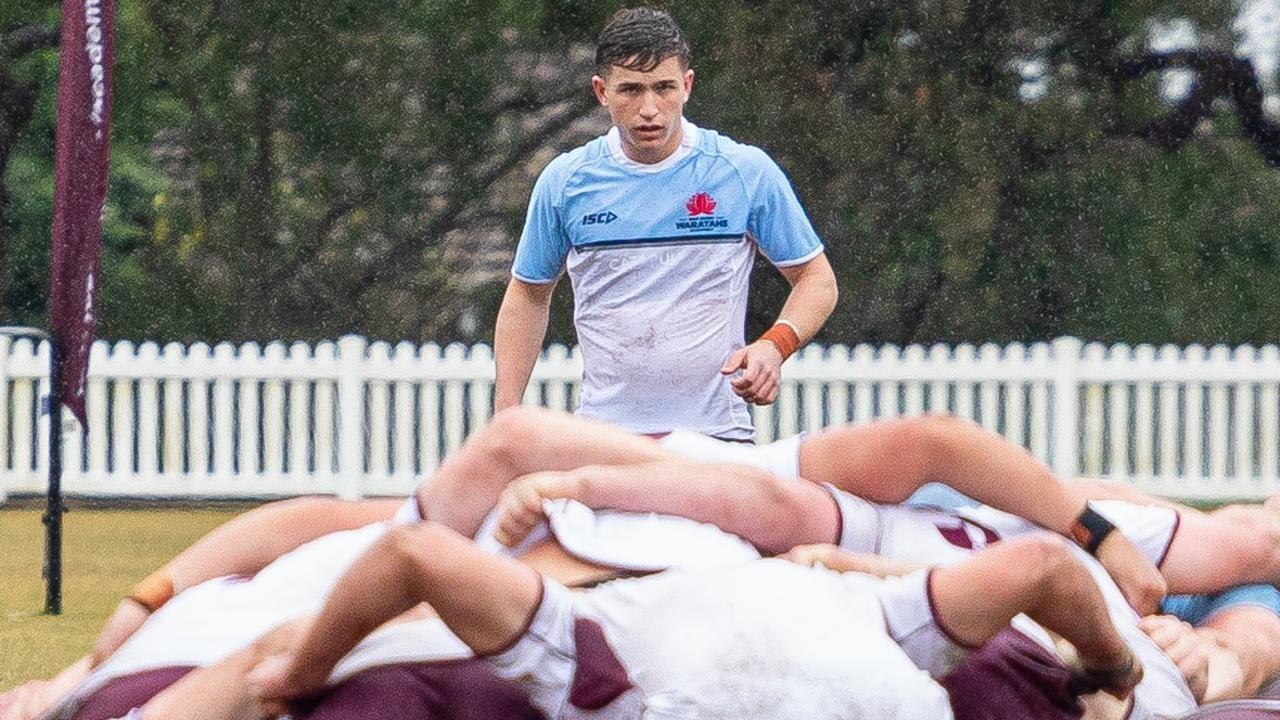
pixel 659 256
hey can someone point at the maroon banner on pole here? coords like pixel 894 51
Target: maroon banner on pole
pixel 80 187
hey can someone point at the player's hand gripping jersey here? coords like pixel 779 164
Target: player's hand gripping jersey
pixel 659 257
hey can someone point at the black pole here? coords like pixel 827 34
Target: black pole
pixel 54 509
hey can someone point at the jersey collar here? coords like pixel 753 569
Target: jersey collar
pixel 688 140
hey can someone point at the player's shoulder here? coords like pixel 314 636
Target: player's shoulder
pixel 557 174
pixel 745 156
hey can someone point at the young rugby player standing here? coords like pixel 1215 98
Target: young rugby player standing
pixel 658 223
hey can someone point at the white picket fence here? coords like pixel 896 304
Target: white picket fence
pixel 355 418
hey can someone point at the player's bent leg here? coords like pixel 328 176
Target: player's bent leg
pixel 888 460
pixel 1211 552
pixel 486 600
pixel 976 599
pixel 518 441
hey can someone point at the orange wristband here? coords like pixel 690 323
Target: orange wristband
pixel 155 589
pixel 783 337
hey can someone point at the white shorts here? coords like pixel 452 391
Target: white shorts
pixel 765 639
pixel 1150 527
pixel 913 623
pixel 781 457
pixel 906 532
pixel 920 534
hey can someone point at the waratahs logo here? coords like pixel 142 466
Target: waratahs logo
pixel 699 205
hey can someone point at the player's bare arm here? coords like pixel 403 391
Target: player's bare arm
pixel 517 338
pixel 813 296
pixel 977 598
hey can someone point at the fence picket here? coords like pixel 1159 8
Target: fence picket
pixel 197 416
pixel 402 437
pixel 1269 418
pixel 273 418
pixel 24 414
pixel 1016 425
pixel 1219 415
pixel 966 357
pixel 1171 421
pixel 122 409
pixel 1193 419
pixel 300 414
pixel 1118 417
pixel 173 442
pixel 149 411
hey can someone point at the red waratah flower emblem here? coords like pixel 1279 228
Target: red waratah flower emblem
pixel 700 204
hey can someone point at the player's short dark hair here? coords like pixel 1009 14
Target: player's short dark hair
pixel 640 39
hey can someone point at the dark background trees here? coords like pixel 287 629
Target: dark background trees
pixel 980 170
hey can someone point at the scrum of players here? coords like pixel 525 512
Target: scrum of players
pixel 587 574
pixel 644 560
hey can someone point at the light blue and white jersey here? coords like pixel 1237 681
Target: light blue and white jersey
pixel 659 257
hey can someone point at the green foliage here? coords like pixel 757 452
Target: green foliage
pixel 302 170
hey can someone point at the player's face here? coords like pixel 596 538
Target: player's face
pixel 647 107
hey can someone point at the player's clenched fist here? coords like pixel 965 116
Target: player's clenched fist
pixel 760 364
pixel 1178 640
pixel 274 683
pixel 520 506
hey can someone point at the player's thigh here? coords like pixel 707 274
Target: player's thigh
pixel 874 461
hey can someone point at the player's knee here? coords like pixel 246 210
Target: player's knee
pixel 409 545
pixel 513 430
pixel 1040 559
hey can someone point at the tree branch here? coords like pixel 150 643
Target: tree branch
pixel 28 39
pixel 1218 75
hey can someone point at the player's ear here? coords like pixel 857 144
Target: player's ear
pixel 688 82
pixel 598 84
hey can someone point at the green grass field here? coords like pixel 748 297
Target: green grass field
pixel 105 553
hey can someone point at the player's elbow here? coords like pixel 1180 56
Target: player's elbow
pixel 830 289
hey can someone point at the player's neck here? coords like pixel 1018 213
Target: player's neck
pixel 647 156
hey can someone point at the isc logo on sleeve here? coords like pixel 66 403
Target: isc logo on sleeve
pixel 600 218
